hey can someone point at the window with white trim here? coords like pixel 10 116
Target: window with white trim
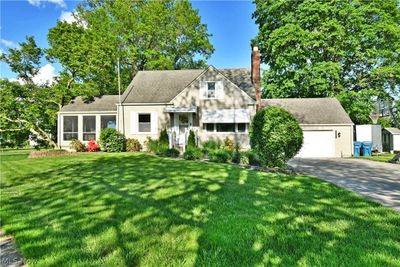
pixel 70 127
pixel 144 122
pixel 211 90
pixel 225 127
pixel 89 128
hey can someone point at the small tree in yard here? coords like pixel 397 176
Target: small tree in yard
pixel 111 140
pixel 275 135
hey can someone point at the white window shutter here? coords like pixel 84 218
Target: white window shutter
pixel 203 90
pixel 154 122
pixel 219 89
pixel 134 123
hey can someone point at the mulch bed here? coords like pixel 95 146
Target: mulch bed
pixel 43 154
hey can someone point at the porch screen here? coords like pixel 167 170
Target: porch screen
pixel 89 128
pixel 70 128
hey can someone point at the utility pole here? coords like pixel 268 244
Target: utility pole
pixel 119 82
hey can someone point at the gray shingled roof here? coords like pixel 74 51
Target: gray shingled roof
pixel 312 110
pixel 242 78
pixel 163 86
pixel 392 130
pixel 158 86
pixel 104 103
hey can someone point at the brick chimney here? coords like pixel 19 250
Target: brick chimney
pixel 255 74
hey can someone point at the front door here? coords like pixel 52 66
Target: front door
pixel 183 122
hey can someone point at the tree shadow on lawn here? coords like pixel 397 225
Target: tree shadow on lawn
pixel 137 209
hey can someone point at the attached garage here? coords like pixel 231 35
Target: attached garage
pixel 327 128
pixel 318 144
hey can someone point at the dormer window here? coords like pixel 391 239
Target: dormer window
pixel 210 89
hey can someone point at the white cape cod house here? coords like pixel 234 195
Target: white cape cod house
pixel 214 103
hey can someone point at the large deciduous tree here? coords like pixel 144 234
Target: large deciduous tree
pixel 27 107
pixel 343 48
pixel 142 35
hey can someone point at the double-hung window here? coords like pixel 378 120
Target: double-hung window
pixel 70 128
pixel 89 128
pixel 144 123
pixel 211 90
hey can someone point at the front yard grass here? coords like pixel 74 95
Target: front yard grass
pixel 14 154
pixel 133 209
pixel 384 157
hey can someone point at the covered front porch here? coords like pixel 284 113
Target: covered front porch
pixel 182 120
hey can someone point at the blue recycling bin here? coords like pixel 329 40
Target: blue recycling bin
pixel 357 149
pixel 367 148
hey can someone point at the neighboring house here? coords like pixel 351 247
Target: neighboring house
pixel 214 103
pixel 391 139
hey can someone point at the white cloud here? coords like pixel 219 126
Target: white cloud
pixel 19 80
pixel 45 75
pixel 39 3
pixel 67 16
pixel 8 44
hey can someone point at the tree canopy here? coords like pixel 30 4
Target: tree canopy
pixel 319 48
pixel 25 106
pixel 142 35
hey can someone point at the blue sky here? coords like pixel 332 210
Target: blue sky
pixel 229 22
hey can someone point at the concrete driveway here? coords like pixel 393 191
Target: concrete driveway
pixel 377 180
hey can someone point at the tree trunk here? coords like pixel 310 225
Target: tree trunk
pixel 39 132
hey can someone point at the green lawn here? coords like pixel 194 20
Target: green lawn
pixel 381 157
pixel 14 154
pixel 137 209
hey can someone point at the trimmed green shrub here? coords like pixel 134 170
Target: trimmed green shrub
pixel 212 144
pixel 77 145
pixel 276 136
pixel 228 144
pixel 191 140
pixel 252 158
pixel 220 156
pixel 193 153
pixel 112 141
pixel 164 151
pixel 163 139
pixel 236 157
pixel 151 145
pixel 133 145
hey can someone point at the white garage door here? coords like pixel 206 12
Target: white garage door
pixel 317 144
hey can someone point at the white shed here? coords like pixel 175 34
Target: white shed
pixel 391 139
pixel 370 133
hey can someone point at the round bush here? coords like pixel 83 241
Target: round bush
pixel 276 136
pixel 193 153
pixel 133 145
pixel 220 156
pixel 111 140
